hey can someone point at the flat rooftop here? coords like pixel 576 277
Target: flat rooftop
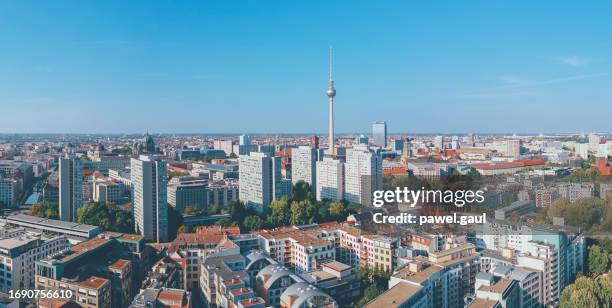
pixel 17 218
pixel 395 296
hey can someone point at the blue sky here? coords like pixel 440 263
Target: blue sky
pixel 261 66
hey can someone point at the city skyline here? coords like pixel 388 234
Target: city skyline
pixel 206 68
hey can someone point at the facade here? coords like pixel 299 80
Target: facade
pixel 188 192
pixel 163 297
pixel 516 208
pixel 330 179
pixel 260 180
pixel 379 134
pixel 363 175
pixel 338 280
pixel 91 292
pixel 544 197
pixel 101 271
pixel 298 250
pixel 9 191
pixel 513 148
pixel 222 192
pixel 18 254
pixel 442 280
pixel 150 200
pixel 575 191
pixel 70 187
pixel 105 190
pixel 304 166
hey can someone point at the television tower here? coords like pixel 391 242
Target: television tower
pixel 331 92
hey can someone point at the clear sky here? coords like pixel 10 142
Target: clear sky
pixel 261 66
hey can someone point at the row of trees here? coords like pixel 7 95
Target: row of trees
pixel 45 209
pixel 594 290
pixel 297 209
pixel 588 213
pixel 107 216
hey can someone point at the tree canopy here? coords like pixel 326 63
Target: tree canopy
pixel 588 292
pixel 585 212
pixel 106 216
pixel 46 209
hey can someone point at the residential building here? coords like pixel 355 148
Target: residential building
pixel 363 175
pixel 260 180
pixel 302 294
pixel 303 164
pixel 70 187
pixel 575 191
pixel 222 192
pixel 101 272
pixel 162 298
pixel 18 254
pixel 148 175
pixel 513 148
pixel 188 192
pixel 330 179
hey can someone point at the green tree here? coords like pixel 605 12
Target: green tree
pixel 252 222
pixel 323 212
pixel 225 222
pixel 353 208
pixel 588 292
pixel 336 210
pixel 311 211
pixel 213 210
pixel 280 213
pixel 585 212
pixel 599 260
pixel 175 221
pixel 237 210
pixel 172 174
pixel 370 293
pixel 46 209
pixel 301 191
pixel 106 216
pixel 298 213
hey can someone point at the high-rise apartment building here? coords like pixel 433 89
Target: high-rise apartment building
pixel 513 148
pixel 260 180
pixel 379 134
pixel 70 187
pixel 330 179
pixel 150 200
pixel 304 166
pixel 244 140
pixel 438 142
pixel 363 171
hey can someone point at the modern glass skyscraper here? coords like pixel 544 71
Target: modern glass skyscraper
pixel 150 198
pixel 379 134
